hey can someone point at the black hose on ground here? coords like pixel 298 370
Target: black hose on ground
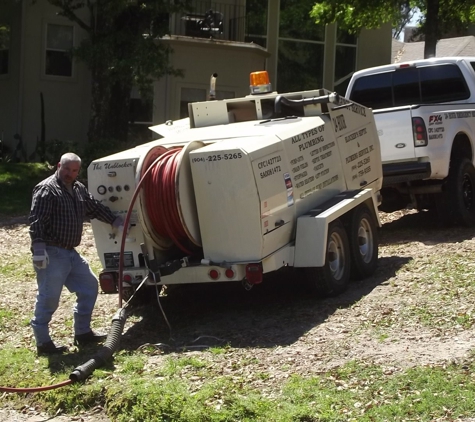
pixel 107 350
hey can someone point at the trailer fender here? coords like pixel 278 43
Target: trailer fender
pixel 312 227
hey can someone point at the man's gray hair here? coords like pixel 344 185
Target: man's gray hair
pixel 70 157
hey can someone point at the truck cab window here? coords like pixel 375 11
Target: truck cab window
pixel 442 83
pixel 406 87
pixel 374 91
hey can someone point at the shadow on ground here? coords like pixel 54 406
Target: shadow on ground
pixel 425 227
pixel 275 313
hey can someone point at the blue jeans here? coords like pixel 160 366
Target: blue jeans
pixel 66 268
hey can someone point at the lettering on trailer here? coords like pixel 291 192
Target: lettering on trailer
pixel 355 135
pixel 364 161
pixel 358 109
pixel 312 156
pixel 322 185
pixel 311 143
pixel 218 157
pixel 109 166
pixel 319 155
pixel 339 123
pixel 305 135
pixel 269 162
pixel 269 166
pixel 270 172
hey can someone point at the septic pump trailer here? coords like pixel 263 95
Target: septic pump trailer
pixel 242 188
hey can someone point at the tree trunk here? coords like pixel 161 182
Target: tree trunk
pixel 431 32
pixel 109 110
pixel 109 120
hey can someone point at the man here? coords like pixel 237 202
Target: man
pixel 59 206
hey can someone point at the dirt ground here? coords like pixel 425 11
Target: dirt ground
pixel 276 323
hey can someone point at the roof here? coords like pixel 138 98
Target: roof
pixel 459 46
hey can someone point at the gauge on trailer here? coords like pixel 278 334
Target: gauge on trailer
pixel 101 190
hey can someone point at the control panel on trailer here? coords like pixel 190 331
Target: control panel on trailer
pixel 244 187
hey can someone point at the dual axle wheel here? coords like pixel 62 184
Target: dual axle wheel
pixel 351 252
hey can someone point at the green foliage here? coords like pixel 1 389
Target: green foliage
pixel 17 181
pixel 437 16
pixel 354 15
pixel 122 50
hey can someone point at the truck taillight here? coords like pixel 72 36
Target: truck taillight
pixel 419 131
pixel 254 273
pixel 108 282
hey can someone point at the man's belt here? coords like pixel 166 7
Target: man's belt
pixel 69 248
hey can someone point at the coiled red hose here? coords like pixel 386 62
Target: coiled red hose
pixel 161 200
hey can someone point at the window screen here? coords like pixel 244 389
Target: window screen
pixel 4 48
pixel 59 43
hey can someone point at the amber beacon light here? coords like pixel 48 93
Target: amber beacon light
pixel 260 83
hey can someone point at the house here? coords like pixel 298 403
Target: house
pixel 457 46
pixel 46 95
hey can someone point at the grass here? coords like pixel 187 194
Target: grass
pixel 17 181
pixel 212 386
pixel 355 391
pixel 185 387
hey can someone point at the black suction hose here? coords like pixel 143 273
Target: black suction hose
pixel 107 350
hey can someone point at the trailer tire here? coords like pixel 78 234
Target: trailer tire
pixel 332 279
pixel 364 242
pixel 458 203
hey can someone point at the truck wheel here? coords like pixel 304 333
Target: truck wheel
pixel 460 193
pixel 332 279
pixel 364 242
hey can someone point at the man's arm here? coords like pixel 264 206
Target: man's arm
pixel 40 213
pixel 94 209
pixel 41 206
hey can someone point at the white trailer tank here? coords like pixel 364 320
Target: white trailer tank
pixel 249 186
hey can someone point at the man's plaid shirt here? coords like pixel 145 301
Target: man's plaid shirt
pixel 56 217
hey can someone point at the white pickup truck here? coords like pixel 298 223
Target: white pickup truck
pixel 425 117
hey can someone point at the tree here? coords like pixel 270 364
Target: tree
pixel 122 50
pixel 437 16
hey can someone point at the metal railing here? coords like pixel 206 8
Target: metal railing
pixel 208 19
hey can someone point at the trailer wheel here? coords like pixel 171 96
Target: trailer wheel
pixel 458 201
pixel 332 279
pixel 364 242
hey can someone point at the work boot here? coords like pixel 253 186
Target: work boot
pixel 88 338
pixel 50 348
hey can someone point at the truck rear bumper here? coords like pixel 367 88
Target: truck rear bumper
pixel 405 172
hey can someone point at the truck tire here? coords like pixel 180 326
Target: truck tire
pixel 332 279
pixel 364 242
pixel 459 197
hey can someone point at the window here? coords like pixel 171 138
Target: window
pixel 4 48
pixel 140 108
pixel 301 48
pixel 345 60
pixel 373 91
pixel 300 66
pixel 256 22
pixel 442 83
pixel 59 43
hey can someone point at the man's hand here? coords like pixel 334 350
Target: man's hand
pixel 40 256
pixel 118 224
